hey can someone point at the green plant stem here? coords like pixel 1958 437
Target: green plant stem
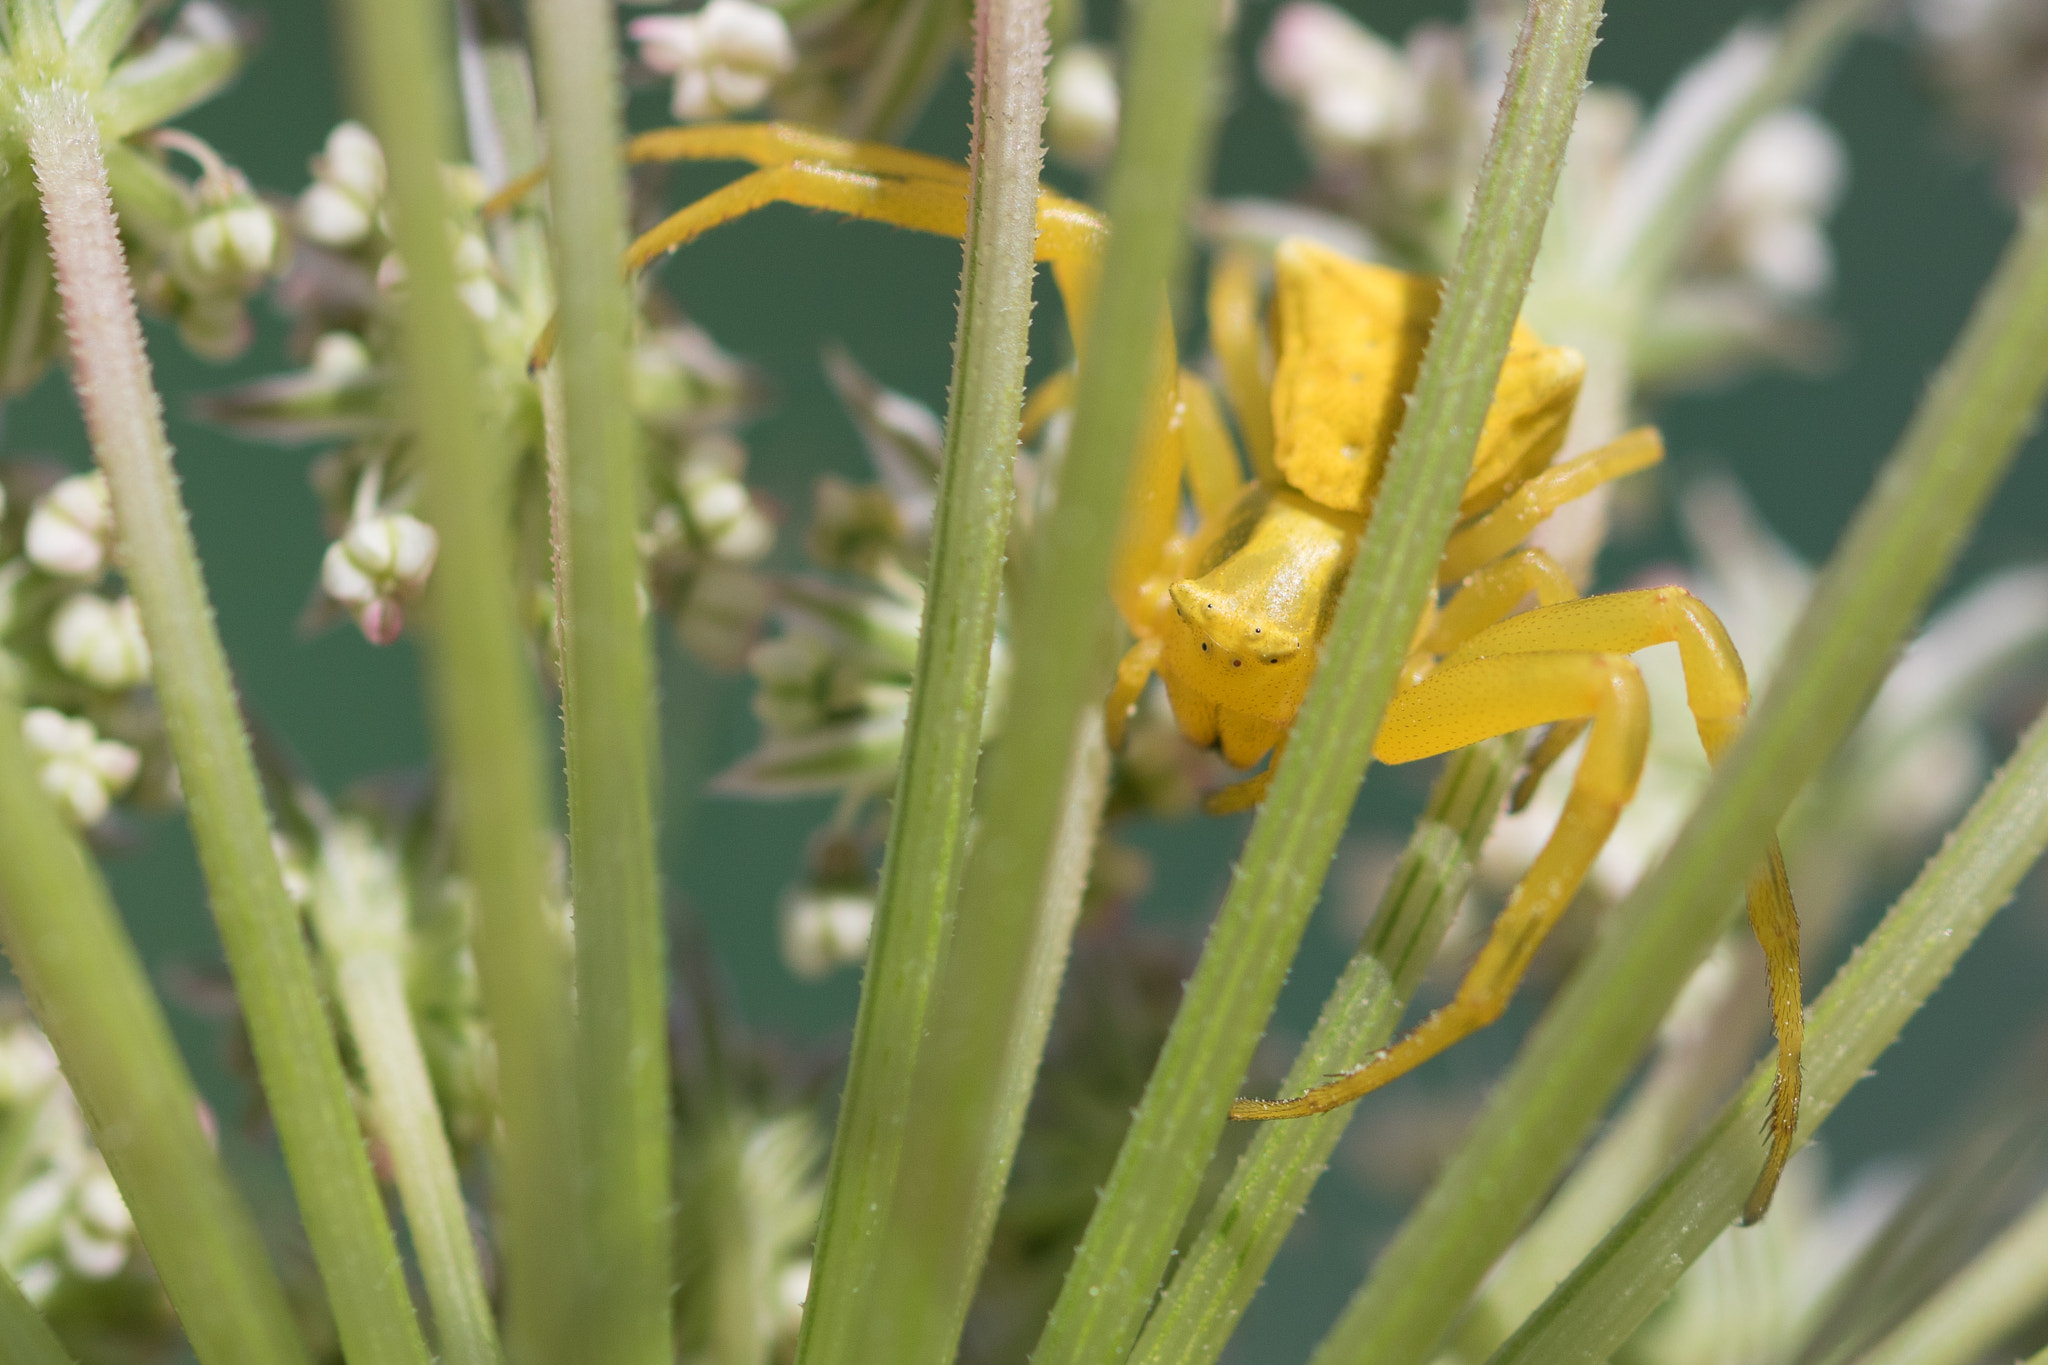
pixel 295 1049
pixel 942 741
pixel 1159 1169
pixel 360 913
pixel 89 992
pixel 989 1026
pixel 25 1339
pixel 1902 543
pixel 1253 1215
pixel 608 703
pixel 486 719
pixel 1998 1292
pixel 1862 1011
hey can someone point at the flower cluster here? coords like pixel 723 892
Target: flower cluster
pixel 64 1230
pixel 725 58
pixel 72 647
pixel 346 290
pixel 1395 134
pixel 198 249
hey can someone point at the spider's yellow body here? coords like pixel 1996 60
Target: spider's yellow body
pixel 1231 615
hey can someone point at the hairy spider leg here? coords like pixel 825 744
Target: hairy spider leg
pixel 1560 663
pixel 1237 336
pixel 1511 520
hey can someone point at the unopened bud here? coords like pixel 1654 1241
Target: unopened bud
pixel 824 929
pixel 725 58
pixel 1082 106
pixel 379 563
pixel 229 248
pixel 100 642
pixel 78 769
pixel 71 527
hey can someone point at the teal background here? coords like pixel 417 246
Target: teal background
pixel 1917 234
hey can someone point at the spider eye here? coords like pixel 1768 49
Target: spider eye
pixel 1237 663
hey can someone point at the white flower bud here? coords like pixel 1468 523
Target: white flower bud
pixel 720 508
pixel 1082 106
pixel 1789 162
pixel 78 769
pixel 340 355
pixel 395 547
pixel 100 642
pixel 333 217
pixel 352 161
pixel 229 248
pixel 1352 87
pixel 343 580
pixel 28 1065
pixel 71 528
pixel 725 58
pixel 823 930
pixel 92 1256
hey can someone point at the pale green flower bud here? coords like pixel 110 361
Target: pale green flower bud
pixel 721 612
pixel 71 528
pixel 78 769
pixel 718 505
pixel 339 209
pixel 230 248
pixel 379 563
pixel 100 642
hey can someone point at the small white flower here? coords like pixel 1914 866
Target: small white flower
pixel 100 642
pixel 1352 86
pixel 28 1066
pixel 78 769
pixel 721 613
pixel 725 58
pixel 230 248
pixel 339 209
pixel 823 930
pixel 1784 177
pixel 1082 106
pixel 718 505
pixel 71 528
pixel 333 217
pixel 340 355
pixel 379 562
pixel 353 161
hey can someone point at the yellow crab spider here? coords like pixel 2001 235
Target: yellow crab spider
pixel 1231 615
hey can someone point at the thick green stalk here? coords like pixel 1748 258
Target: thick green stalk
pixel 942 742
pixel 1902 543
pixel 25 1339
pixel 91 995
pixel 360 913
pixel 1159 1169
pixel 607 701
pixel 1999 1291
pixel 295 1049
pixel 487 723
pixel 1250 1219
pixel 1862 1011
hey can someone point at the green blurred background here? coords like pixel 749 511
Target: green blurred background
pixel 1915 237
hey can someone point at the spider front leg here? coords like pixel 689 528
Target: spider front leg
pixel 1565 662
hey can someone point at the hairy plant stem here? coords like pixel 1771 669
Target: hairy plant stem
pixel 1862 1011
pixel 25 1339
pixel 608 706
pixel 1159 1169
pixel 1250 1219
pixel 1993 1296
pixel 1902 543
pixel 487 723
pixel 360 913
pixel 942 741
pixel 295 1049
pixel 87 986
